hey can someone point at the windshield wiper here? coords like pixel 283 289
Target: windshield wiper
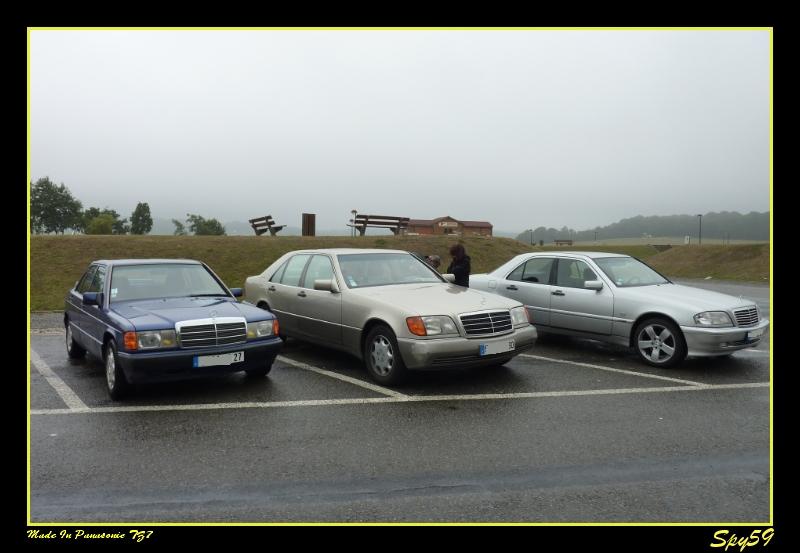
pixel 207 295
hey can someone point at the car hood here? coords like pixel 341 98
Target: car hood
pixel 164 313
pixel 436 298
pixel 678 295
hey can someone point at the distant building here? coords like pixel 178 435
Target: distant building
pixel 448 225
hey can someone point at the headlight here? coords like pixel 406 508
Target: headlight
pixel 713 318
pixel 153 339
pixel 260 329
pixel 519 316
pixel 431 326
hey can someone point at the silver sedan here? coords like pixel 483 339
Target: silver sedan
pixel 619 299
pixel 390 309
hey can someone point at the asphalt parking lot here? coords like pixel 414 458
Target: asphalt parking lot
pixel 573 431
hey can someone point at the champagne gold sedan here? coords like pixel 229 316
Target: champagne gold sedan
pixel 390 309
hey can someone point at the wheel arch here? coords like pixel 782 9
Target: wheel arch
pixel 651 315
pixel 368 326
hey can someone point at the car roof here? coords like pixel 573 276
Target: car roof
pixel 146 261
pixel 592 255
pixel 349 251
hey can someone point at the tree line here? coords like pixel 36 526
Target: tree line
pixel 723 225
pixel 55 210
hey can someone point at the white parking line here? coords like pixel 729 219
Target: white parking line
pixel 65 392
pixel 357 382
pixel 403 399
pixel 610 369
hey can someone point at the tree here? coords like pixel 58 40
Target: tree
pixel 118 226
pixel 141 221
pixel 53 208
pixel 102 224
pixel 180 230
pixel 202 226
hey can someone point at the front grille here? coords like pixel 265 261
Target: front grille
pixel 482 324
pixel 746 317
pixel 206 335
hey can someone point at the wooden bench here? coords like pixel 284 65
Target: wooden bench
pixel 263 224
pixel 395 224
pixel 563 242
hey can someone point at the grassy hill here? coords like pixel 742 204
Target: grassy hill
pixel 56 262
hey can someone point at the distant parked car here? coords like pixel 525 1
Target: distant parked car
pixel 391 309
pixel 165 319
pixel 620 299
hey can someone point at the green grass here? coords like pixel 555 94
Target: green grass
pixel 58 261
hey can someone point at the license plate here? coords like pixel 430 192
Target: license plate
pixel 754 334
pixel 497 347
pixel 215 360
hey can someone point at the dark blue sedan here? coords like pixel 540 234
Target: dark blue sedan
pixel 165 319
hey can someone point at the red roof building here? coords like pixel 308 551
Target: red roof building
pixel 449 225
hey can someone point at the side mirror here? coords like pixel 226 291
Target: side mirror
pixel 92 298
pixel 449 277
pixel 593 285
pixel 326 284
pixel 237 292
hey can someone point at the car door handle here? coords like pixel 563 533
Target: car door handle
pixel 271 288
pixel 558 293
pixel 512 287
pixel 301 293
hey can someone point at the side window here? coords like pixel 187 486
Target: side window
pixel 294 269
pixel 572 273
pixel 318 268
pixel 98 280
pixel 516 274
pixel 279 273
pixel 536 270
pixel 86 280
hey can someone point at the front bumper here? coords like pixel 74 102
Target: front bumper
pixel 459 352
pixel 704 342
pixel 159 366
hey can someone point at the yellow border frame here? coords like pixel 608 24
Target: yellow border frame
pixel 167 524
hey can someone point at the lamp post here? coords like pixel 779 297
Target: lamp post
pixel 700 229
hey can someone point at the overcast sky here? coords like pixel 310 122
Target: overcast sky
pixel 519 128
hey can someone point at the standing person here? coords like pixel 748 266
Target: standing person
pixel 460 266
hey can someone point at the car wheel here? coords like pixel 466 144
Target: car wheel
pixel 116 382
pixel 258 372
pixel 74 349
pixel 382 356
pixel 659 343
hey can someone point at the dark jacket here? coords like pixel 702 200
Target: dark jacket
pixel 460 268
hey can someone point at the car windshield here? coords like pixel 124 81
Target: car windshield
pixel 627 271
pixel 167 280
pixel 381 269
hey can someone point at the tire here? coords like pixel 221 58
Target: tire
pixel 260 372
pixel 659 342
pixel 382 356
pixel 74 349
pixel 116 383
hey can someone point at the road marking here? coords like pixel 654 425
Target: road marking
pixel 65 392
pixel 357 382
pixel 623 371
pixel 403 399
